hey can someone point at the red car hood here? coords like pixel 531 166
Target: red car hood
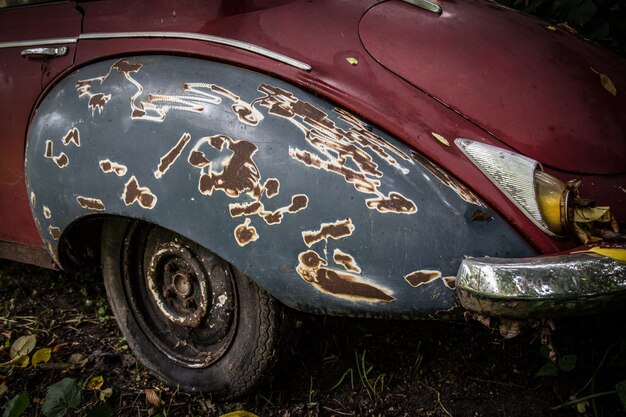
pixel 537 88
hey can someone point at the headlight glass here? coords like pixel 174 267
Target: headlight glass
pixel 540 196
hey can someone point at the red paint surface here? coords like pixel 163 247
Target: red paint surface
pixel 533 88
pixel 323 34
pixel 21 81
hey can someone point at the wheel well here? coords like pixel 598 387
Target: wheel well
pixel 79 247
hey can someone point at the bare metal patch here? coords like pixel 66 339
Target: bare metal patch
pixel 47 213
pixel 244 233
pixel 142 195
pixel 90 203
pixel 170 157
pixel 461 190
pixel 311 268
pixel 55 232
pixel 336 230
pixel 425 276
pixel 108 166
pixel 346 260
pixel 72 136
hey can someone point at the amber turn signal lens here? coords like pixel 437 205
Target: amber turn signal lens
pixel 551 196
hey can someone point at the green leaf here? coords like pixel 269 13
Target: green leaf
pixel 567 362
pixel 23 346
pixel 17 405
pixel 620 387
pixel 549 369
pixel 61 397
pixel 102 410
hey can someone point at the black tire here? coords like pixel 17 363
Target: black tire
pixel 223 341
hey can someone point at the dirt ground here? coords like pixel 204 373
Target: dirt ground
pixel 339 367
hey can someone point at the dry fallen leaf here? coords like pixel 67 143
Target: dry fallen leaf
pixel 3 389
pixel 239 414
pixel 105 394
pixel 41 356
pixel 95 383
pixel 509 328
pixel 592 214
pixel 440 138
pixel 23 345
pixel 153 397
pixel 21 361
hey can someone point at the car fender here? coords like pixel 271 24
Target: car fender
pixel 324 211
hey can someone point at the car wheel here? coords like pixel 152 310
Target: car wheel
pixel 188 315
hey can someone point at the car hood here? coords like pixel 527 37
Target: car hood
pixel 537 88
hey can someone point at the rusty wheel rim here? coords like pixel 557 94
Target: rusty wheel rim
pixel 184 301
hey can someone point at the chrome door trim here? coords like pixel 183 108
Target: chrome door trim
pixel 205 38
pixel 38 42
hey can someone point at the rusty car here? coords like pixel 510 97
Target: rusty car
pixel 229 162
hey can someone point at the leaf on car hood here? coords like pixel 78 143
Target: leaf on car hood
pixel 607 83
pixel 592 214
pixel 614 253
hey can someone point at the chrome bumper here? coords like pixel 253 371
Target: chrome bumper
pixel 544 286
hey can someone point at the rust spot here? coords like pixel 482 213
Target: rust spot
pixel 246 209
pixel 348 153
pixel 142 195
pixel 461 190
pixel 244 233
pixel 55 232
pixel 239 173
pixel 97 102
pixel 337 230
pixel 417 278
pixel 271 187
pixel 168 159
pixel 341 284
pixel 83 87
pixel 346 260
pixel 298 202
pixel 449 282
pixel 480 216
pixel 126 67
pixel 394 202
pixel 46 212
pixel 137 113
pixel 61 160
pixel 72 136
pixel 274 217
pixel 108 166
pixel 49 149
pixel 198 159
pixel 90 203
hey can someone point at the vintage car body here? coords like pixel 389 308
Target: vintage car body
pixel 312 146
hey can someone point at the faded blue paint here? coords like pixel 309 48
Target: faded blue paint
pixel 386 245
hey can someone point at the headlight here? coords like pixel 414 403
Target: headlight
pixel 540 196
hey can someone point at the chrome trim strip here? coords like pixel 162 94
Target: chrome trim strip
pixel 206 38
pixel 37 42
pixel 431 6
